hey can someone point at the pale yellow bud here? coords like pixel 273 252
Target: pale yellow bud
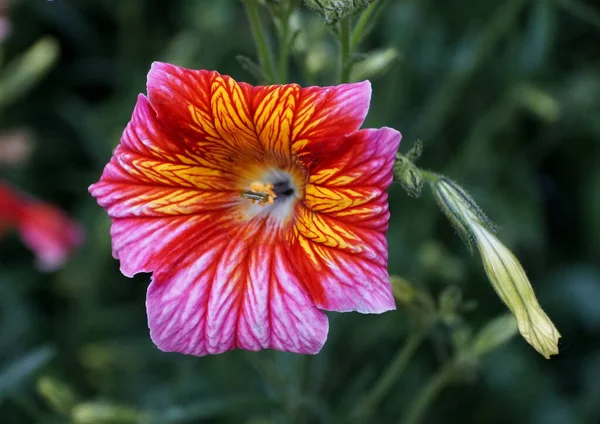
pixel 512 285
pixel 502 268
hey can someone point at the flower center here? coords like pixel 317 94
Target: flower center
pixel 274 193
pixel 261 193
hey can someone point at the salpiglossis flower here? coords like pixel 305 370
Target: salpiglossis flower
pixel 256 209
pixel 44 228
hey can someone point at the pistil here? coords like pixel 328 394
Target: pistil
pixel 261 193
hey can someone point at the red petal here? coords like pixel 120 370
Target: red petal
pixel 341 231
pixel 208 111
pixel 152 176
pixel 306 121
pixel 49 233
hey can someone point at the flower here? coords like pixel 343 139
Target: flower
pixel 15 147
pixel 256 209
pixel 45 229
pixel 502 267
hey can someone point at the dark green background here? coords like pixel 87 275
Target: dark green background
pixel 506 97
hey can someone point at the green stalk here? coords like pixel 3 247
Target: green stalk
pixel 391 374
pixel 427 394
pixel 265 56
pixel 284 42
pixel 366 21
pixel 455 82
pixel 345 50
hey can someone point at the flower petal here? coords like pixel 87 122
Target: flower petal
pixel 341 230
pixel 50 233
pixel 234 292
pixel 209 111
pixel 45 229
pixel 150 176
pixel 325 114
pixel 306 121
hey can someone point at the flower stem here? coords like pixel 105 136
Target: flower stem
pixel 345 50
pixel 265 56
pixel 430 177
pixel 366 21
pixel 284 41
pixel 392 373
pixel 427 394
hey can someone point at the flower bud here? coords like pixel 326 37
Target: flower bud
pixel 460 208
pixel 512 285
pixel 334 10
pixel 409 176
pixel 412 299
pixel 502 268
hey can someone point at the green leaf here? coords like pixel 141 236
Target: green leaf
pixel 20 75
pixel 25 367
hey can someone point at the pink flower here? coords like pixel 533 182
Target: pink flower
pixel 46 230
pixel 256 209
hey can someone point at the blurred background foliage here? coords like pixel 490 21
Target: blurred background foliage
pixel 505 96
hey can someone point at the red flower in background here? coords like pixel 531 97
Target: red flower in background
pixel 256 208
pixel 45 229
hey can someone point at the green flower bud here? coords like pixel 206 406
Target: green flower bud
pixel 409 176
pixel 413 299
pixel 334 10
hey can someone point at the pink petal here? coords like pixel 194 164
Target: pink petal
pixel 232 294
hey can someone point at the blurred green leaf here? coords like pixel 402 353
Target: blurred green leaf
pixel 20 75
pixel 494 334
pixel 23 368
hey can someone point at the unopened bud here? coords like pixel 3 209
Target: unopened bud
pixel 512 285
pixel 502 268
pixel 449 303
pixel 334 10
pixel 403 291
pixel 460 209
pixel 409 176
pixel 412 298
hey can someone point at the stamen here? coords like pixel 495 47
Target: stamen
pixel 260 192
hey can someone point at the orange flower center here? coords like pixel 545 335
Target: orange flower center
pixel 272 190
pixel 261 193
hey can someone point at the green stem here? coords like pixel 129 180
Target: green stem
pixel 391 374
pixel 284 42
pixel 265 56
pixel 439 108
pixel 430 177
pixel 427 394
pixel 345 50
pixel 367 20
